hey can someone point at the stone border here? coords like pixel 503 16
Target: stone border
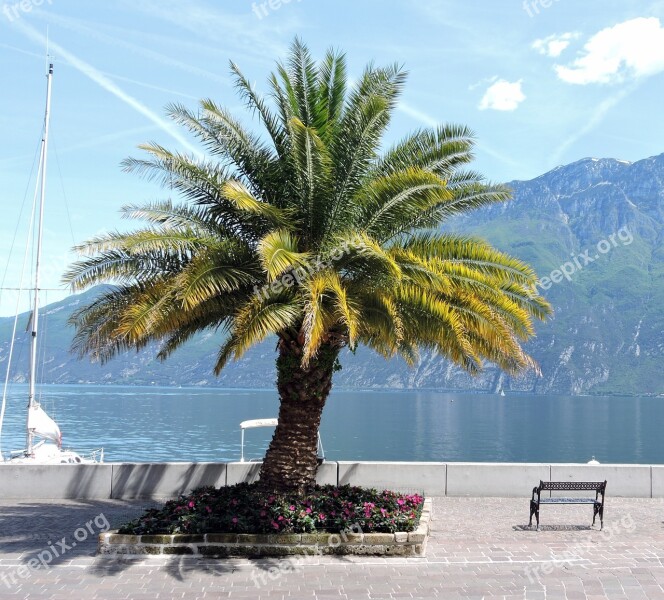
pixel 226 545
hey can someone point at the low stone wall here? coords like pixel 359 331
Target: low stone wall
pixel 126 481
pixel 225 545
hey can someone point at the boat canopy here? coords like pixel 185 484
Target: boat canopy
pixel 269 423
pixel 40 424
pixel 258 423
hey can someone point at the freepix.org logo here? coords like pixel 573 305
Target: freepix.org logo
pixel 55 549
pixel 577 262
pixel 14 11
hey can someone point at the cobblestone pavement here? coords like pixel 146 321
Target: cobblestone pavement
pixel 479 548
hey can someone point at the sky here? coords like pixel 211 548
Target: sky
pixel 540 82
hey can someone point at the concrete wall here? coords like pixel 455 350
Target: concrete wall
pixel 167 480
pixel 412 477
pixel 488 479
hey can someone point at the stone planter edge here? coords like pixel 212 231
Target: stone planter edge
pixel 228 545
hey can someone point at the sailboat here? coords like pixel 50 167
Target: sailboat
pixel 43 436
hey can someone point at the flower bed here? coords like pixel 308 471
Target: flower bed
pixel 244 508
pixel 241 521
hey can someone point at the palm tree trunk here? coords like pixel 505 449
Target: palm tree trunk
pixel 291 461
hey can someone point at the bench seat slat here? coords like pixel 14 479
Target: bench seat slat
pixel 568 501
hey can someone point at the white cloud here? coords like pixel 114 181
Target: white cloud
pixel 632 49
pixel 554 45
pixel 503 95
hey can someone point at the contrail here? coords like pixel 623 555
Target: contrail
pixel 15 49
pixel 598 116
pixel 111 75
pixel 418 115
pixel 104 82
pixel 97 34
pixel 151 87
pixel 9 163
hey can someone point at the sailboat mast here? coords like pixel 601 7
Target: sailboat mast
pixel 40 231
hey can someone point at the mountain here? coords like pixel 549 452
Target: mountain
pixel 593 230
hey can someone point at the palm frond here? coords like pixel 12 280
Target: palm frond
pixel 440 151
pixel 225 137
pixel 392 202
pixel 279 253
pixel 243 200
pixel 258 104
pixel 332 81
pixel 313 169
pixel 256 320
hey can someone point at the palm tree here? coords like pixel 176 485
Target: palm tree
pixel 311 234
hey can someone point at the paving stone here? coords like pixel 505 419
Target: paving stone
pixel 471 553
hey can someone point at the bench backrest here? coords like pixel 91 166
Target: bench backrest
pixel 567 486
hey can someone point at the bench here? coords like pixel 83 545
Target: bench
pixel 599 487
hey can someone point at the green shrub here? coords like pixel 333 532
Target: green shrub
pixel 244 508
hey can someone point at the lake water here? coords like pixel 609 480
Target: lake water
pixel 185 424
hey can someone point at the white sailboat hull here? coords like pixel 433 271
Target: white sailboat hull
pixel 49 454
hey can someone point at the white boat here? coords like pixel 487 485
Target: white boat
pixel 251 424
pixel 43 436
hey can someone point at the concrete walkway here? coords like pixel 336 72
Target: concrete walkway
pixel 479 548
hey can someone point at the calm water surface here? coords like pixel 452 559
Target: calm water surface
pixel 185 424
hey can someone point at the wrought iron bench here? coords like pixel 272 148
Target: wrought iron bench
pixel 599 487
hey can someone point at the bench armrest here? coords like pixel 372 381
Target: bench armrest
pixel 535 493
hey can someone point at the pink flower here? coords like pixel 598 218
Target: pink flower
pixel 263 513
pixel 191 504
pixel 275 525
pixel 321 516
pixel 291 507
pixel 234 519
pixel 401 502
pixel 308 511
pixel 208 509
